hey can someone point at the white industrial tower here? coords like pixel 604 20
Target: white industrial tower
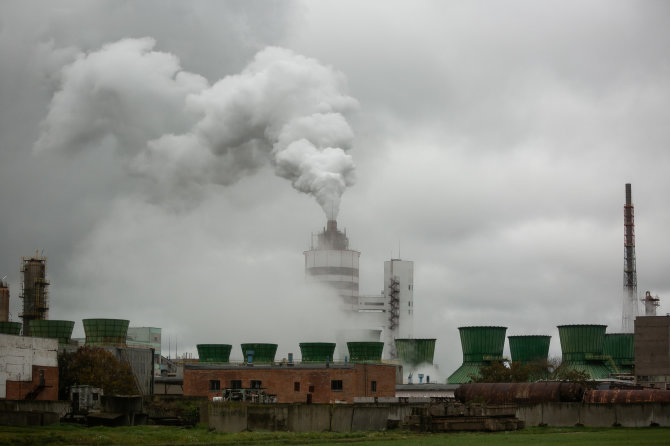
pixel 399 297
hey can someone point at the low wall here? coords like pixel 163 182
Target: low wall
pixel 596 415
pixel 238 417
pixel 32 413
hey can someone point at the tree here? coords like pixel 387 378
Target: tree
pixel 515 372
pixel 96 367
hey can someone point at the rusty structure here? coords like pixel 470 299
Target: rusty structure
pixel 4 301
pixel 35 293
pixel 625 396
pixel 503 393
pixel 630 307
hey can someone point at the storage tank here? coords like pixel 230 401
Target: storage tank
pixel 621 348
pixel 529 348
pixel 415 351
pixel 55 329
pixel 317 351
pixel 214 352
pixel 10 328
pixel 582 349
pixel 365 351
pixel 481 346
pixel 262 352
pixel 101 332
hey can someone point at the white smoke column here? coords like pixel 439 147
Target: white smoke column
pixel 173 127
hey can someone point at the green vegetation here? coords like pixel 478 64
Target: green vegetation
pixel 159 435
pixel 516 372
pixel 96 367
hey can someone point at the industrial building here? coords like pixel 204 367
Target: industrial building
pixel 330 261
pixel 28 368
pixel 652 351
pixel 297 383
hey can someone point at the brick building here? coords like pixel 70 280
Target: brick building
pixel 28 368
pixel 299 383
pixel 652 351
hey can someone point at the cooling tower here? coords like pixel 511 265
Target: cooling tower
pixel 101 332
pixel 61 330
pixel 214 352
pixel 365 351
pixel 529 348
pixel 262 352
pixel 317 351
pixel 621 348
pixel 582 349
pixel 481 346
pixel 10 328
pixel 415 351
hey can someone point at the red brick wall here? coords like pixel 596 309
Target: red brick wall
pixel 356 382
pixel 17 390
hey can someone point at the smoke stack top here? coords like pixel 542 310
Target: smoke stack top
pixel 175 128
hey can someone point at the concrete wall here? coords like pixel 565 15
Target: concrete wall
pixel 596 415
pixel 235 417
pixel 32 413
pixel 19 356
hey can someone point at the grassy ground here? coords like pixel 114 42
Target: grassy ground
pixel 154 435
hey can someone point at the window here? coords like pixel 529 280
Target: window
pixel 373 386
pixel 256 384
pixel 41 377
pixel 235 384
pixel 336 385
pixel 311 389
pixel 214 384
pixel 94 396
pixel 296 386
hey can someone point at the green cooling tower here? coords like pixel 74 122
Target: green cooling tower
pixel 317 351
pixel 365 351
pixel 415 351
pixel 481 346
pixel 582 349
pixel 61 330
pixel 621 348
pixel 101 332
pixel 529 348
pixel 262 352
pixel 214 352
pixel 10 328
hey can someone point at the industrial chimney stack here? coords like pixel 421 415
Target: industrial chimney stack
pixel 630 306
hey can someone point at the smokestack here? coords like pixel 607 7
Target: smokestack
pixel 630 307
pixel 331 226
pixel 4 301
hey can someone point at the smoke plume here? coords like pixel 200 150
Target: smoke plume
pixel 173 127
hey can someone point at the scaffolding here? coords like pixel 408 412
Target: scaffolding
pixel 34 290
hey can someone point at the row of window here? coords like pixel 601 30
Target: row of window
pixel 335 385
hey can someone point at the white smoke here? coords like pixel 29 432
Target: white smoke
pixel 173 127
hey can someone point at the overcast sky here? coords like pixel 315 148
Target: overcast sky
pixel 147 149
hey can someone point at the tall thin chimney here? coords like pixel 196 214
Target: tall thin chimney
pixel 630 306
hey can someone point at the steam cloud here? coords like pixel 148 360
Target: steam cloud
pixel 173 127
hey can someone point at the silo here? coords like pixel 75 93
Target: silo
pixel 214 352
pixel 101 332
pixel 61 330
pixel 10 328
pixel 481 346
pixel 620 347
pixel 529 348
pixel 415 351
pixel 317 351
pixel 262 352
pixel 582 349
pixel 365 351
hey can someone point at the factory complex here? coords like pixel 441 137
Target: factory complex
pixel 378 362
